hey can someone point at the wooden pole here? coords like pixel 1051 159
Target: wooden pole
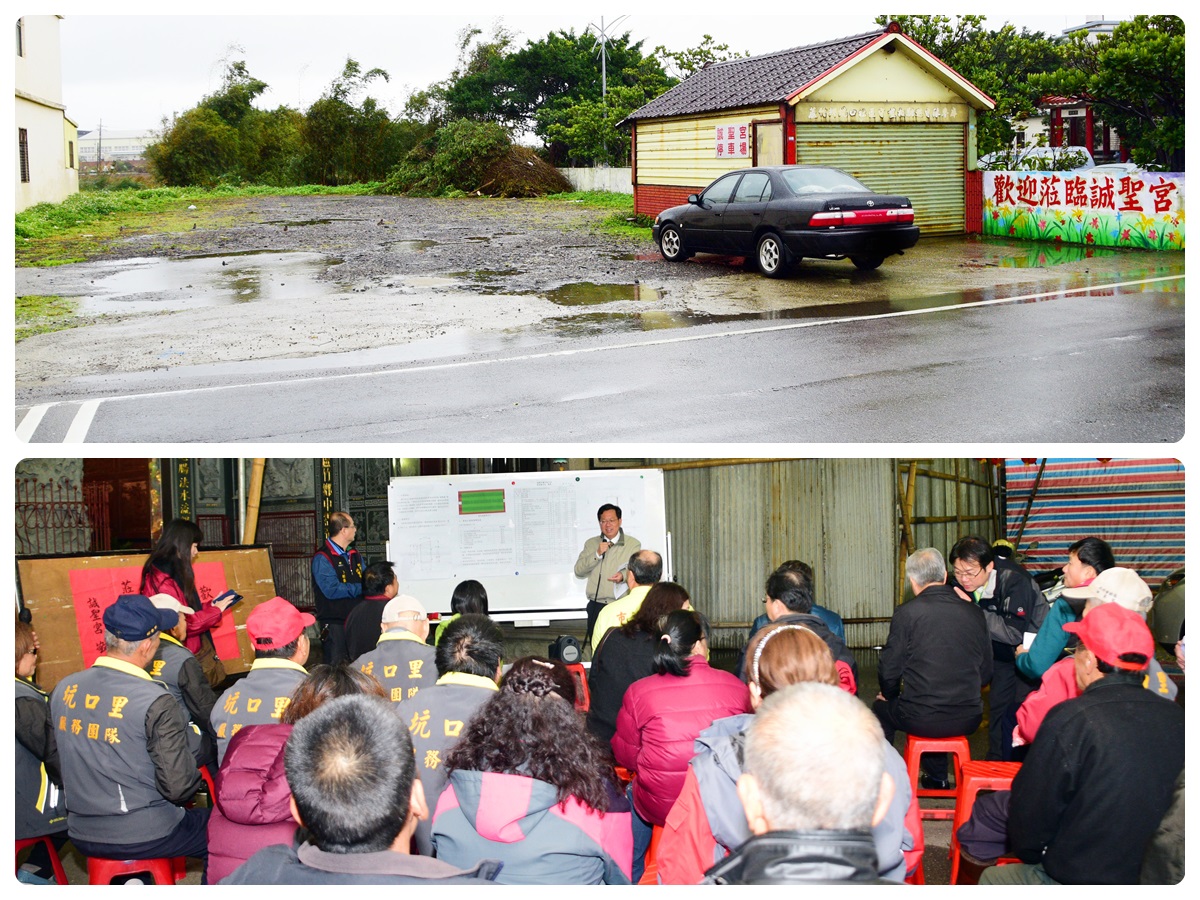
pixel 253 499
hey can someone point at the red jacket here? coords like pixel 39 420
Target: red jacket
pixel 252 809
pixel 660 719
pixel 204 619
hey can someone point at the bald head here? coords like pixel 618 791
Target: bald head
pixel 835 741
pixel 645 567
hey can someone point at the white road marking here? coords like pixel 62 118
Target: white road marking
pixel 77 433
pixel 29 424
pixel 90 406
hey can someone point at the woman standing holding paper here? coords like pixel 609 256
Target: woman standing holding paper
pixel 169 571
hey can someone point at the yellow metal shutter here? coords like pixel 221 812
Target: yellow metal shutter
pixel 923 162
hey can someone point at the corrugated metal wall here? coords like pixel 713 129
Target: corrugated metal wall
pixel 926 163
pixel 732 522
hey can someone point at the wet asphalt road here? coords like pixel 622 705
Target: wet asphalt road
pixel 1103 365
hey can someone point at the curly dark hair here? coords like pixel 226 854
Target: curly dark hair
pixel 529 728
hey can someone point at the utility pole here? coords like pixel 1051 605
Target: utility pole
pixel 602 43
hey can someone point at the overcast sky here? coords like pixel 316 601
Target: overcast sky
pixel 129 71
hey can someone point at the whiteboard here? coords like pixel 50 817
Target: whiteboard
pixel 518 534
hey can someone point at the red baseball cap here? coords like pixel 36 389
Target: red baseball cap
pixel 276 624
pixel 1110 630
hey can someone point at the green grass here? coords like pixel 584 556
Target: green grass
pixel 596 199
pixel 42 315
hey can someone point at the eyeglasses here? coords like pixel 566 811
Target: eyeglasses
pixel 963 573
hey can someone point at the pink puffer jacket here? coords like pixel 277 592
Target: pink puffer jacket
pixel 252 809
pixel 660 719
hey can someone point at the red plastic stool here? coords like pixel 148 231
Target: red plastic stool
pixel 914 747
pixel 103 871
pixel 976 776
pixel 650 872
pixel 60 876
pixel 583 697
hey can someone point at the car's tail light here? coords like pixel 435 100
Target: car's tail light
pixel 856 217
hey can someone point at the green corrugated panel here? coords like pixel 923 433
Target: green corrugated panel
pixel 923 162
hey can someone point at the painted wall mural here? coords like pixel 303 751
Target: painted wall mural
pixel 1142 211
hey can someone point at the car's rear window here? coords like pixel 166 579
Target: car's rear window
pixel 816 181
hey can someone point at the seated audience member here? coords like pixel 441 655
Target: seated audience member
pixel 468 663
pixel 661 717
pixel 530 787
pixel 1086 559
pixel 122 747
pixel 40 805
pixel 1101 774
pixel 252 808
pixel 984 836
pixel 828 616
pixel 1163 861
pixel 176 667
pixel 627 654
pixel 817 828
pixel 936 661
pixel 469 597
pixel 642 572
pixel 707 821
pixel 350 765
pixel 380 585
pixel 789 598
pixel 276 630
pixel 402 661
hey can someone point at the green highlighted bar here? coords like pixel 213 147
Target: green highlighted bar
pixel 472 503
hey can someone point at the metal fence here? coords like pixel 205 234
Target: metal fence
pixel 62 518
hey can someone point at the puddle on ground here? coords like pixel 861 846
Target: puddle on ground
pixel 585 293
pixel 1005 254
pixel 600 323
pixel 486 281
pixel 411 246
pixel 218 279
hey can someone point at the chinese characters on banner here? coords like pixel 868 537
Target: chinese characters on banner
pixel 1143 210
pixel 94 590
pixel 1148 193
pixel 733 141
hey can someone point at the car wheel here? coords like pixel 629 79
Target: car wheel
pixel 867 263
pixel 670 244
pixel 770 255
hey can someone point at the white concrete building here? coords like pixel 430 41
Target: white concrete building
pixel 47 141
pixel 113 143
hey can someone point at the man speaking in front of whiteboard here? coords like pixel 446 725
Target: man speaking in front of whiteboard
pixel 603 561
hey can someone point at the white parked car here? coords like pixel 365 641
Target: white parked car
pixel 1072 158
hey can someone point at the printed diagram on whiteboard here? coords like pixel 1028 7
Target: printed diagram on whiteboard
pixel 524 529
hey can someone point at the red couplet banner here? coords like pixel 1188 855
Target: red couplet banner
pixel 94 590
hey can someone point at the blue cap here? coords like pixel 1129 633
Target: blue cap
pixel 134 618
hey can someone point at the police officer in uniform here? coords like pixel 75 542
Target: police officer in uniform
pixel 276 630
pixel 468 663
pixel 401 661
pixel 176 667
pixel 337 574
pixel 125 761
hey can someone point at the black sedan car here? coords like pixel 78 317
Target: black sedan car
pixel 779 214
